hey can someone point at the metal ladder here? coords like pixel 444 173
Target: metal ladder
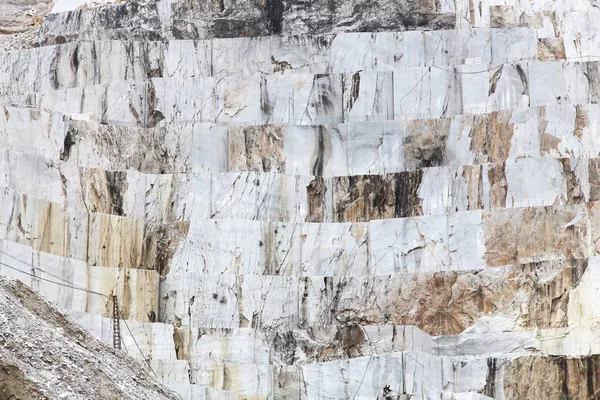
pixel 116 324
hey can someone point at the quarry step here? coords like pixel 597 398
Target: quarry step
pixel 307 99
pixel 270 196
pixel 464 240
pixel 280 304
pixel 461 241
pixel 373 147
pixel 80 63
pixel 250 346
pixel 74 232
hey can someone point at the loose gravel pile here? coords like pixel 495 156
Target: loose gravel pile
pixel 45 355
pixel 19 22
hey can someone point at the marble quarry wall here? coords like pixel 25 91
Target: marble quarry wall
pixel 316 200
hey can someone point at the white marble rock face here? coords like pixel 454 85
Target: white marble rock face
pixel 316 200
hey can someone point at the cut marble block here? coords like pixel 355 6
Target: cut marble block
pixel 53 270
pixel 334 249
pixel 136 291
pixel 34 222
pixel 50 68
pixel 266 196
pixel 155 340
pixel 302 99
pixel 241 99
pixel 285 256
pixel 31 131
pixel 171 371
pixel 460 46
pixel 558 83
pixel 201 300
pixel 426 93
pixel 536 182
pixel 508 87
pixel 255 51
pixel 31 174
pixel 427 143
pixel 475 89
pixel 374 51
pixel 237 346
pixel 241 379
pixel 339 379
pixel 368 96
pixel 129 60
pixel 98 326
pixel 224 247
pixel 563 233
pixel 408 245
pixel 306 54
pixel 375 147
pixel 513 44
pixel 269 302
pixel 115 241
pixel 572 340
pixel 466 240
pixel 583 300
pixel 187 58
pixel 185 100
pixel 419 374
pixel 581 36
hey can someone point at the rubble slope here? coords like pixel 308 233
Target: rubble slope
pixel 45 355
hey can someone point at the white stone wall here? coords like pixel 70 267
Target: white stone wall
pixel 325 209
